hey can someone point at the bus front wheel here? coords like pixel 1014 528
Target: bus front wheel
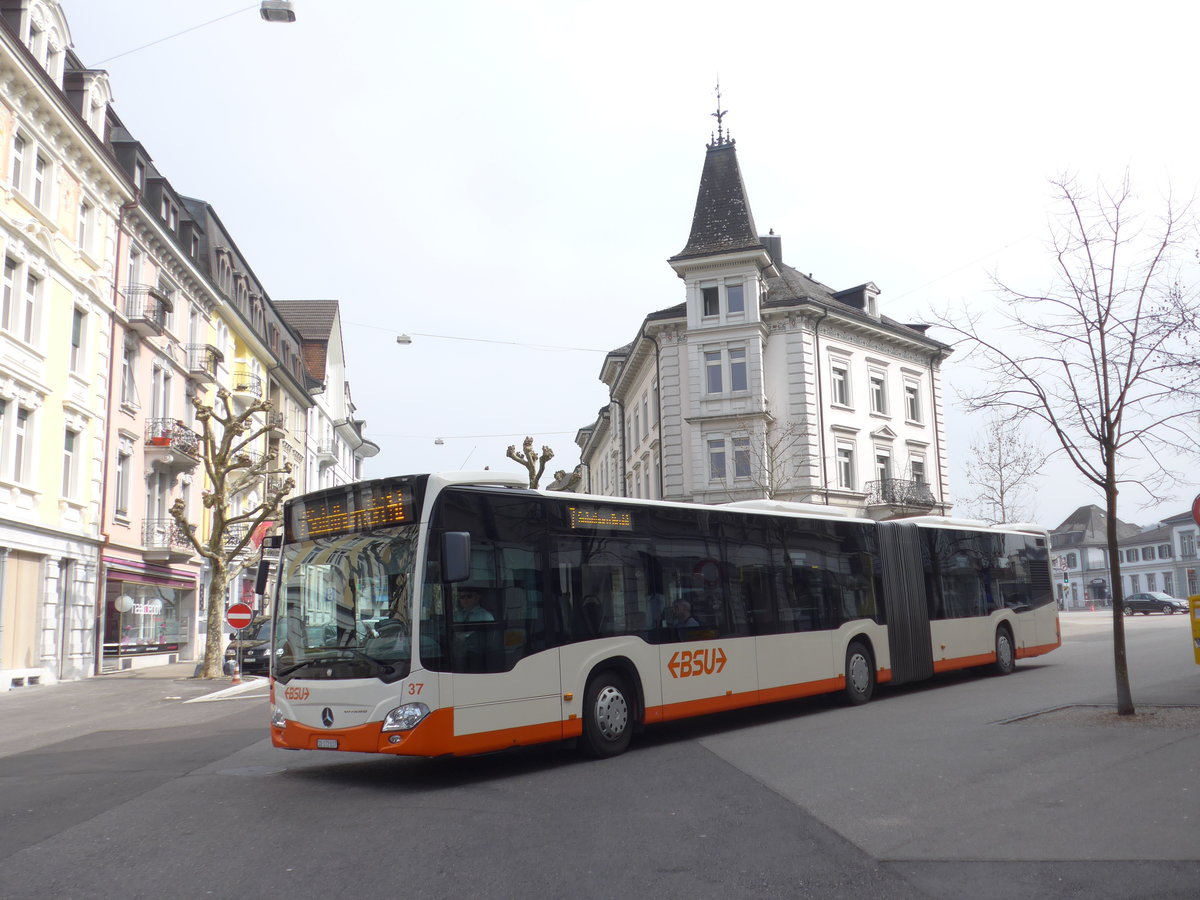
pixel 860 673
pixel 607 715
pixel 1006 654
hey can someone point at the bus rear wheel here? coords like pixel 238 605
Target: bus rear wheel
pixel 607 715
pixel 860 673
pixel 1006 654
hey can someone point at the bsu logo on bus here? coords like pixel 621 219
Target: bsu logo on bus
pixel 689 663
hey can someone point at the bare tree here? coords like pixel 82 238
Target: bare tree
pixel 1099 357
pixel 534 463
pixel 1002 469
pixel 773 463
pixel 233 469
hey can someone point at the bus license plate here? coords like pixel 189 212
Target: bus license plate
pixel 327 743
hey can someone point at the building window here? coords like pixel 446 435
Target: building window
pixel 741 457
pixel 21 441
pixel 1072 560
pixel 85 226
pixel 1168 584
pixel 9 302
pixel 883 465
pixel 735 301
pixel 1164 551
pixel 33 290
pixel 78 322
pixel 133 274
pixel 737 369
pixel 1151 582
pixel 711 297
pixel 70 462
pixel 878 393
pixel 716 460
pixel 712 371
pixel 912 402
pixel 1187 543
pixel 1147 553
pixel 917 468
pixel 139 174
pixel 840 373
pixel 845 466
pixel 18 162
pixel 1134 584
pixel 123 474
pixel 40 172
pixel 128 389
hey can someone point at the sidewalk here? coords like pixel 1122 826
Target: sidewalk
pixel 133 700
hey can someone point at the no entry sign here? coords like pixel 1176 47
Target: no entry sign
pixel 239 615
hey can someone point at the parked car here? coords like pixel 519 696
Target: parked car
pixel 1154 601
pixel 254 644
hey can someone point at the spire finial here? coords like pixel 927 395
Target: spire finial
pixel 719 115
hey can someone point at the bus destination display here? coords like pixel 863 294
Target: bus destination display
pixel 358 509
pixel 604 517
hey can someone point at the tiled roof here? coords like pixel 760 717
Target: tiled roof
pixel 722 221
pixel 313 321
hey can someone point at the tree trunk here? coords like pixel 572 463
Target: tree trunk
pixel 1120 660
pixel 213 657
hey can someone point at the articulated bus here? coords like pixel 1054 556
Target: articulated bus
pixel 437 615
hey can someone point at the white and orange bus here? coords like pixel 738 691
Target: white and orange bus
pixel 432 615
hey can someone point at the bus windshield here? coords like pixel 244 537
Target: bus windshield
pixel 344 607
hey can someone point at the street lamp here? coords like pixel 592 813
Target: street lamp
pixel 277 11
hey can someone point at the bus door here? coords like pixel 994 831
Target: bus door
pixel 603 611
pixel 705 662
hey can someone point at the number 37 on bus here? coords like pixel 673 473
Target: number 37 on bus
pixel 431 615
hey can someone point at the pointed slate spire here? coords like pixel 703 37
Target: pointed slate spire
pixel 722 222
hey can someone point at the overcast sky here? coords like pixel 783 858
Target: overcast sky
pixel 519 172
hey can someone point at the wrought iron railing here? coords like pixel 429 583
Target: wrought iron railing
pixel 171 433
pixel 203 359
pixel 164 534
pixel 900 492
pixel 247 383
pixel 147 303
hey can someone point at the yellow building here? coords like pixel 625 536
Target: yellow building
pixel 61 201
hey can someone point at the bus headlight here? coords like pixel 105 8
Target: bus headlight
pixel 405 718
pixel 277 719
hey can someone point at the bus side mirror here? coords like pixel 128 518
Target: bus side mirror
pixel 456 556
pixel 260 582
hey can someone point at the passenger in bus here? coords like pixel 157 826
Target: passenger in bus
pixel 680 615
pixel 468 608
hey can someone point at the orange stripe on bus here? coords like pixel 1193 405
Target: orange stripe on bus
pixel 433 737
pixel 963 662
pixel 1025 652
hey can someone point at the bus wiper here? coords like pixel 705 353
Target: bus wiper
pixel 326 660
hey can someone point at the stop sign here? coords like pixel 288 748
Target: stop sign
pixel 239 615
pixel 1196 509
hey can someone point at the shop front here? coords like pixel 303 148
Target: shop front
pixel 149 615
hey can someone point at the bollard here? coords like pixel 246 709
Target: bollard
pixel 237 674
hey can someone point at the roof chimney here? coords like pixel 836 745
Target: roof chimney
pixel 774 245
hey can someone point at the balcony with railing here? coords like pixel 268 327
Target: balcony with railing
pixel 326 452
pixel 171 444
pixel 247 387
pixel 147 308
pixel 165 541
pixel 901 495
pixel 276 423
pixel 202 362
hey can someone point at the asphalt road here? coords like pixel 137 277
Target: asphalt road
pixel 958 788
